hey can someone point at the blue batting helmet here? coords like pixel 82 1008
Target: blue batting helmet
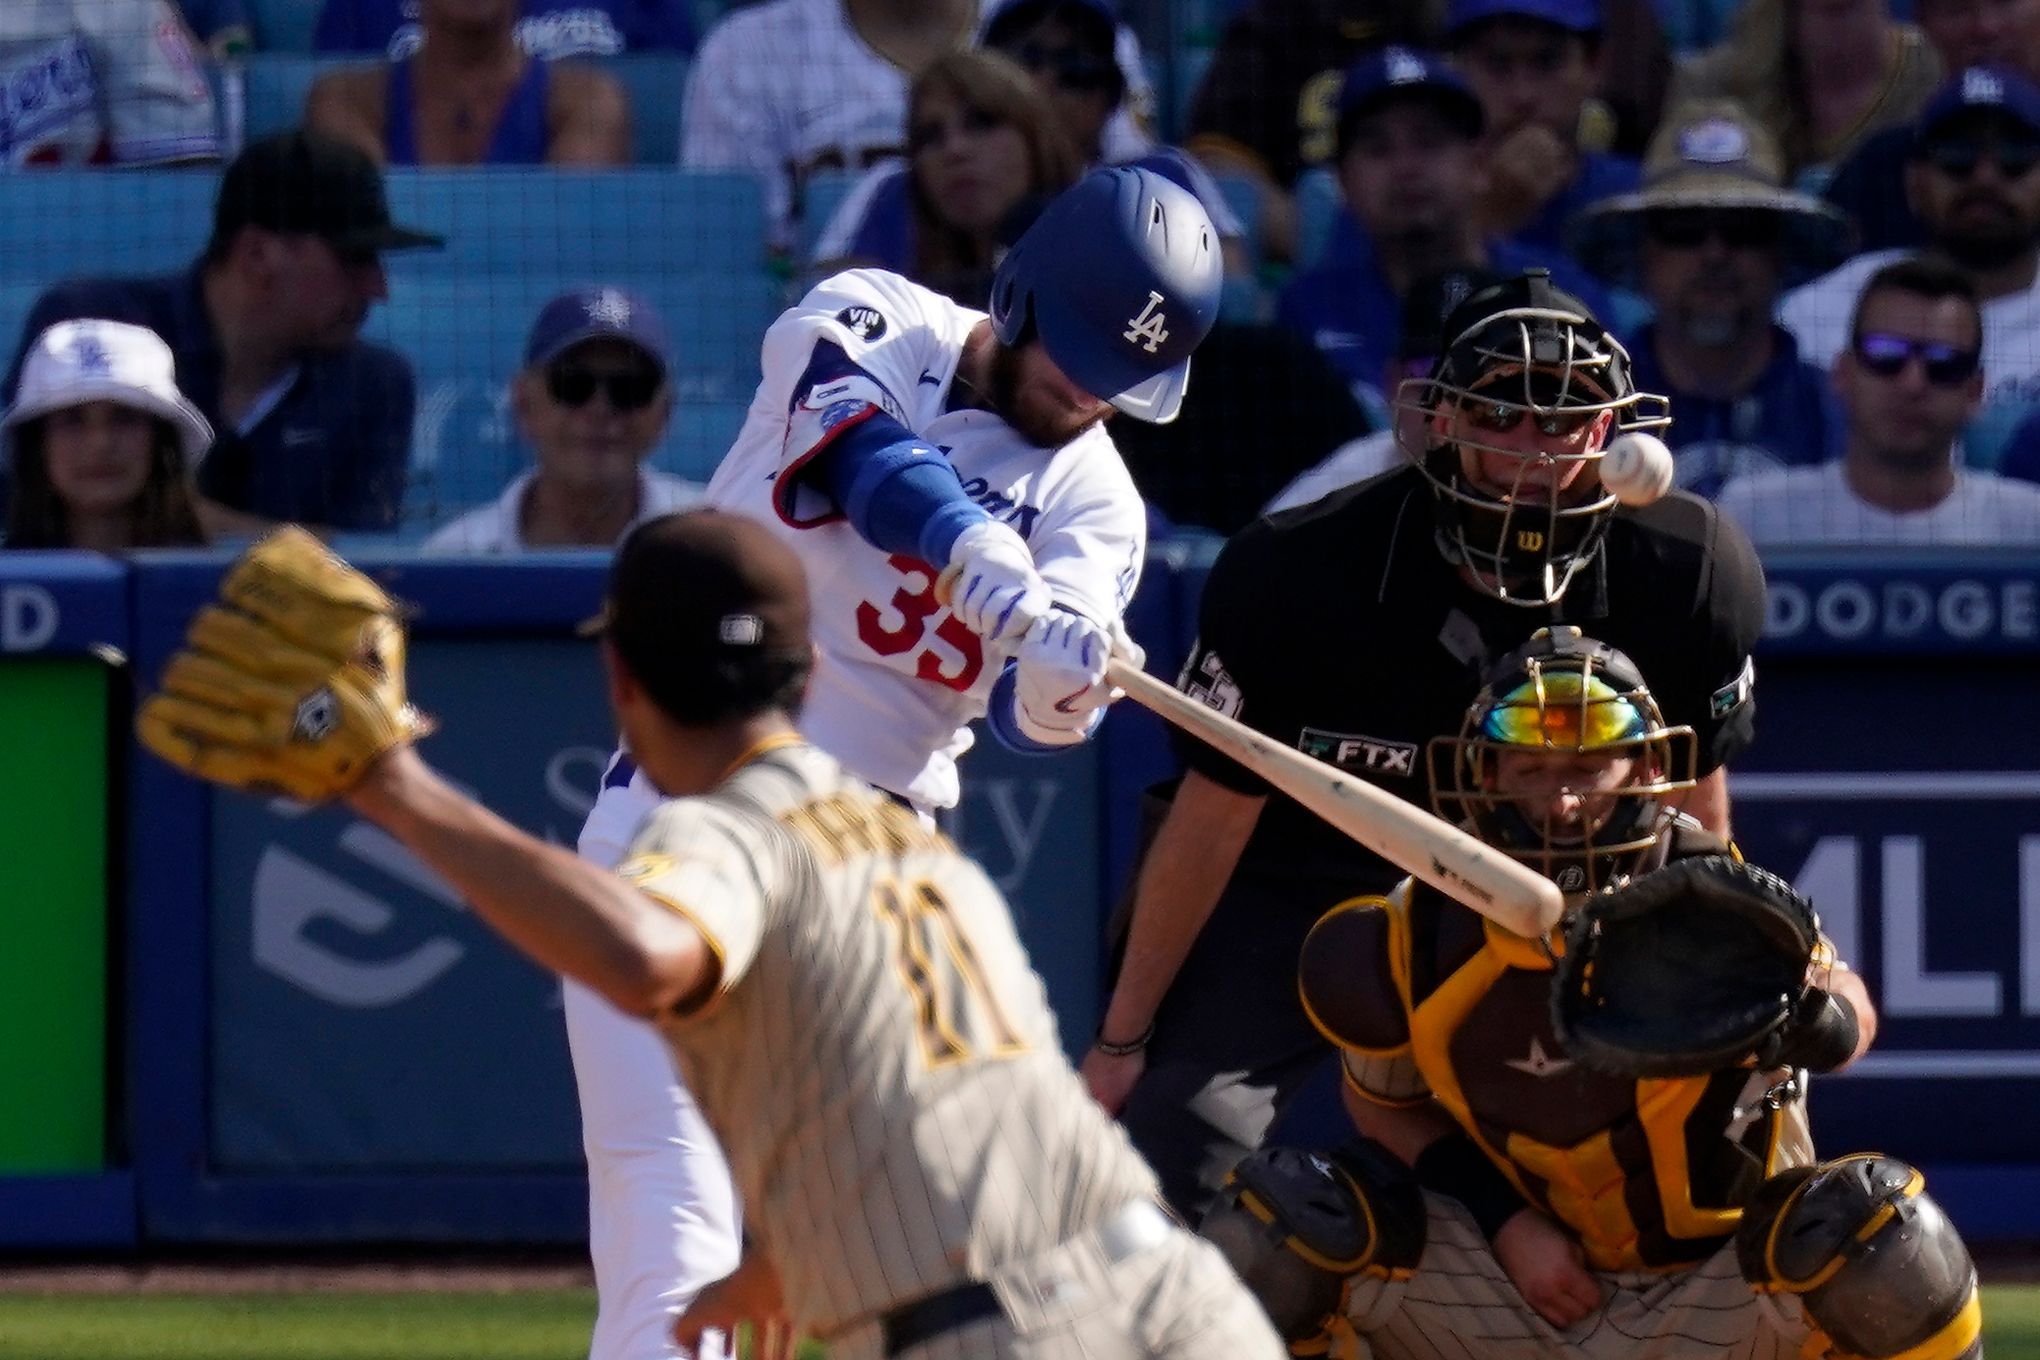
pixel 1120 278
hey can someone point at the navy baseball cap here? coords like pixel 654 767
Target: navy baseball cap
pixel 597 314
pixel 1403 73
pixel 1981 90
pixel 1574 16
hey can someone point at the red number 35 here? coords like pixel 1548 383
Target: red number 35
pixel 959 658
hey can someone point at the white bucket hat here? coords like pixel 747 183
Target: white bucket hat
pixel 74 362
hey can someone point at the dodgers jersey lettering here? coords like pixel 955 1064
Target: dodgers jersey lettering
pixel 90 81
pixel 875 1011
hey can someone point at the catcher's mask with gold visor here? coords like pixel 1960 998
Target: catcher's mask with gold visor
pixel 1524 349
pixel 1565 693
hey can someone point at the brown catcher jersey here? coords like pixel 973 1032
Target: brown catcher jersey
pixel 878 1057
pixel 1426 998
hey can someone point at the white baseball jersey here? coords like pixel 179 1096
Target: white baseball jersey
pixel 898 678
pixel 85 81
pixel 787 88
pixel 878 1057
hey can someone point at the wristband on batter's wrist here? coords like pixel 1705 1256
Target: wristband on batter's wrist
pixel 1455 1166
pixel 1132 1046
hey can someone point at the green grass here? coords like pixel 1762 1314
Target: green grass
pixel 533 1324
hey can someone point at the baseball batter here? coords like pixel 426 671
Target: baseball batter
pixel 895 433
pixel 844 989
pixel 1533 1206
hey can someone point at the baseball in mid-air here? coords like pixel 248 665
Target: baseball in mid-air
pixel 1637 468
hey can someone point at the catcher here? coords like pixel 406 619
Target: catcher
pixel 1594 1144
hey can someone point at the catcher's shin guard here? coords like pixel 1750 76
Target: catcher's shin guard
pixel 1877 1266
pixel 1297 1224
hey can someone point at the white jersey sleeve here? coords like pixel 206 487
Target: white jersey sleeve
pixel 896 338
pixel 158 105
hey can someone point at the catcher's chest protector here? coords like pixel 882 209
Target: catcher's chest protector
pixel 1587 1146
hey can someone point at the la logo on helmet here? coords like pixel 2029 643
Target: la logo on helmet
pixel 1150 325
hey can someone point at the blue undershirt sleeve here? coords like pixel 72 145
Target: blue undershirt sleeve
pixel 898 492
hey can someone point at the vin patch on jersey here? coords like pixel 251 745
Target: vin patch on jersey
pixel 866 323
pixel 1356 752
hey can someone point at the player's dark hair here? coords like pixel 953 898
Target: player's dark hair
pixel 1927 276
pixel 162 515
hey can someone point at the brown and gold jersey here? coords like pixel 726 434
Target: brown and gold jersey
pixel 878 1058
pixel 1429 1000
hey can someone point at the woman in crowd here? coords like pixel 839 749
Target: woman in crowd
pixel 984 152
pixel 100 443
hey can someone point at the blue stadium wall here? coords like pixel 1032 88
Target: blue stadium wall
pixel 311 1041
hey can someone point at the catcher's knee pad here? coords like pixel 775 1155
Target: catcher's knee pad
pixel 1876 1264
pixel 1297 1224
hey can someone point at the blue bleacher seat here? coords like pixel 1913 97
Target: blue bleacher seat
pixel 284 25
pixel 635 221
pixel 465 338
pixel 59 223
pixel 275 85
pixel 655 83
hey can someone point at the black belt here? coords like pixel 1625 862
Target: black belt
pixel 925 1319
pixel 1133 1229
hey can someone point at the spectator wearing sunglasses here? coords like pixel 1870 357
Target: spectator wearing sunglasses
pixel 1870 185
pixel 1710 240
pixel 1909 381
pixel 984 153
pixel 1534 64
pixel 1072 49
pixel 1974 181
pixel 1411 174
pixel 593 401
pixel 313 424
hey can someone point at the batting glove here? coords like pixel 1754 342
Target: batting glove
pixel 1060 684
pixel 996 591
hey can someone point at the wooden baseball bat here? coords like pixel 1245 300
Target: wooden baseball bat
pixel 1510 894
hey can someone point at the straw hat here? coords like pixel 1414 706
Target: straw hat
pixel 1711 154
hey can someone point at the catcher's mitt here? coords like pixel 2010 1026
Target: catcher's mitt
pixel 293 683
pixel 1686 970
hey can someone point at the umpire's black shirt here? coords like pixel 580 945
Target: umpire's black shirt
pixel 1339 628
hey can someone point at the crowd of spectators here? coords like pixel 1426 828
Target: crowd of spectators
pixel 1790 211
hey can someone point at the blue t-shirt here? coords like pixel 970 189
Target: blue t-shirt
pixel 549 28
pixel 334 448
pixel 1345 307
pixel 1788 417
pixel 210 17
pixel 519 139
pixel 1600 176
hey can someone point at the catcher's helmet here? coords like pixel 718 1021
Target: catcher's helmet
pixel 1119 278
pixel 1524 349
pixel 1564 691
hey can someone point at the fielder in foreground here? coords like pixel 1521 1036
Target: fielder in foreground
pixel 1592 1145
pixel 842 989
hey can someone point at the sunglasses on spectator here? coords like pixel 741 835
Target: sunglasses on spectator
pixel 1500 417
pixel 573 386
pixel 1887 355
pixel 932 133
pixel 1067 67
pixel 1690 228
pixel 1960 158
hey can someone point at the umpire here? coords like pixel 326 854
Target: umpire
pixel 1358 628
